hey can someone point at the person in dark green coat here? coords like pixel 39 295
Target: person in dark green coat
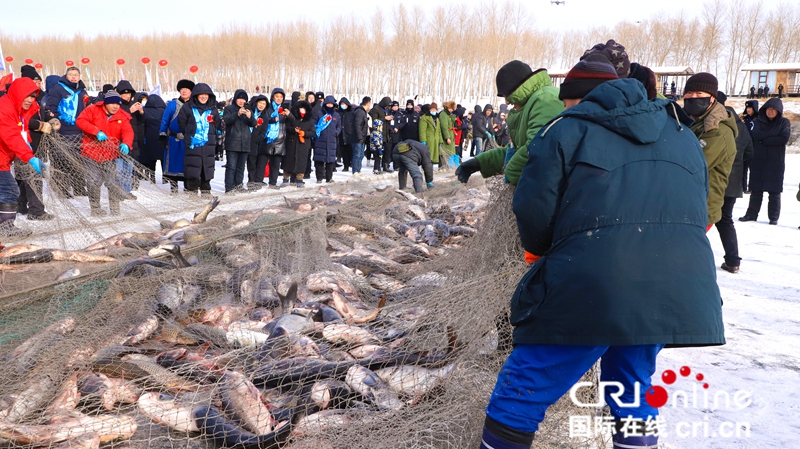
pixel 716 129
pixel 613 197
pixel 447 125
pixel 430 132
pixel 535 101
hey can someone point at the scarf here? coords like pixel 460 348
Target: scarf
pixel 273 128
pixel 68 107
pixel 200 136
pixel 322 123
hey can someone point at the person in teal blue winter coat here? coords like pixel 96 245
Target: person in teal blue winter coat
pixel 613 199
pixel 171 135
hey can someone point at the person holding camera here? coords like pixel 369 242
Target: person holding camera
pixel 238 122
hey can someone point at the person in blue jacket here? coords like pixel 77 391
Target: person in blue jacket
pixel 170 132
pixel 328 127
pixel 65 101
pixel 199 121
pixel 613 200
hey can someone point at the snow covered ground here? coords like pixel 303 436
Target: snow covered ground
pixel 762 356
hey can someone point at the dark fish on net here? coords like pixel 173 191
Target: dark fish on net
pixel 365 266
pixel 116 351
pixel 141 332
pixel 297 370
pixel 462 230
pixel 318 312
pixel 430 237
pixel 203 215
pixel 330 393
pixel 235 283
pixel 228 434
pixel 176 333
pixel 136 263
pixel 209 334
pixel 99 390
pixel 190 365
pixel 139 243
pixel 180 261
pixel 38 256
pixel 408 254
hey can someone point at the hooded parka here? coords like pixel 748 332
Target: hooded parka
pixel 200 139
pixel 769 149
pixel 613 197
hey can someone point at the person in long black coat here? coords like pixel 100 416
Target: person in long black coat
pixel 153 148
pixel 771 132
pixel 130 104
pixel 345 152
pixel 198 121
pixel 258 105
pixel 239 121
pixel 409 123
pixel 272 139
pixel 727 232
pixel 328 125
pixel 298 144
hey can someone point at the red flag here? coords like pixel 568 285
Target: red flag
pixel 6 80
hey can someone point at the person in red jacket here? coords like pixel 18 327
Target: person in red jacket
pixel 107 135
pixel 16 109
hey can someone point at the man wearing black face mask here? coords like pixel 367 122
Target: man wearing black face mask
pixel 409 123
pixel 716 129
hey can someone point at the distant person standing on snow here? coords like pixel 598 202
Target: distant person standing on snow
pixel 727 232
pixel 771 132
pixel 760 91
pixel 766 91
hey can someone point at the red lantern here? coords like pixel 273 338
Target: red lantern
pixel 120 62
pixel 193 69
pixel 70 63
pixel 85 61
pixel 28 61
pixel 162 63
pixel 38 66
pixel 145 60
pixel 9 59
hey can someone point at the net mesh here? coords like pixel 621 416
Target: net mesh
pixel 336 318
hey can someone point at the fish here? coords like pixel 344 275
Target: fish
pixel 19 249
pixel 66 399
pixel 296 324
pixel 322 421
pixel 297 370
pixel 385 283
pixel 141 332
pixel 244 402
pixel 153 262
pixel 165 409
pixel 411 198
pixel 408 254
pixel 413 380
pixel 108 391
pixel 225 433
pixel 342 305
pixel 180 261
pixel 37 256
pixel 148 373
pixel 29 353
pixel 363 265
pixel 235 283
pixel 140 244
pixel 331 393
pixel 203 215
pixel 71 273
pixel 372 387
pixel 109 428
pixel 174 332
pixel 115 240
pixel 176 293
pixel 244 338
pixel 348 334
pixel 430 238
pixel 85 441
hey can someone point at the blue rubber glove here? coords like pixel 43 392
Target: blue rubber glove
pixel 123 148
pixel 488 135
pixel 37 165
pixel 430 185
pixel 101 136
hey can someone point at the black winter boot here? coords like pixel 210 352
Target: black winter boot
pixel 8 212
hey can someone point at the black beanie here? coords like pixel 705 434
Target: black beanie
pixel 645 76
pixel 721 97
pixel 410 102
pixel 590 72
pixel 702 82
pixel 28 71
pixel 107 87
pixel 511 76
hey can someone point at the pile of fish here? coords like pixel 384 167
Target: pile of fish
pixel 245 357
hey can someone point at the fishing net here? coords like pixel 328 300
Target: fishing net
pixel 338 317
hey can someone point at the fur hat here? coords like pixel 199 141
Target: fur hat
pixel 185 84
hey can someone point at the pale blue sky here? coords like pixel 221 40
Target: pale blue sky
pixel 146 16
